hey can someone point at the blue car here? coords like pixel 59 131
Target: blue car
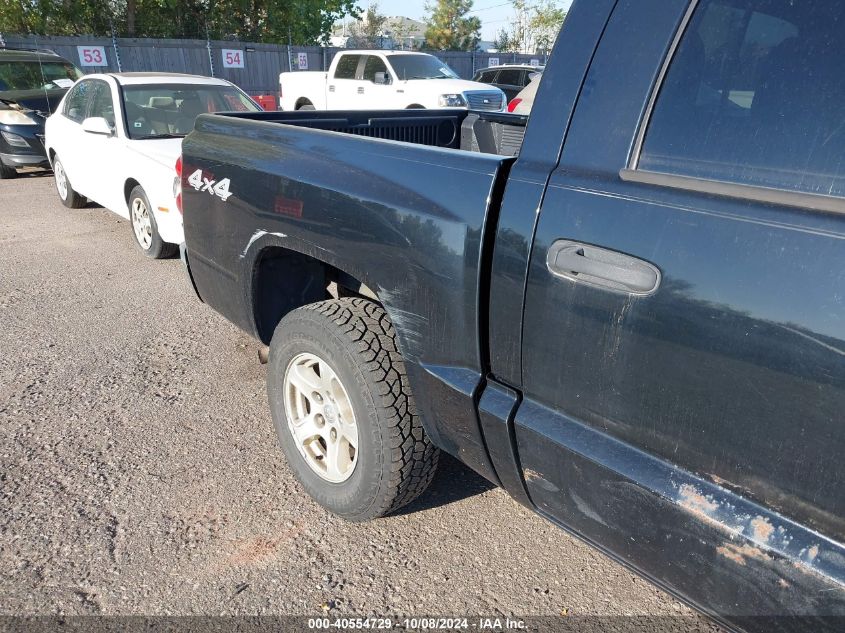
pixel 32 83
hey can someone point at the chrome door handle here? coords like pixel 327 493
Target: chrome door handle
pixel 331 88
pixel 602 268
pixel 361 90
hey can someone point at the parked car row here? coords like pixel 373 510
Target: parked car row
pixel 115 138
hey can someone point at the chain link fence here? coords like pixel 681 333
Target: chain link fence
pixel 253 67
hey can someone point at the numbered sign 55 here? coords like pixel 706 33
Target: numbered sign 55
pixel 92 56
pixel 233 58
pixel 302 61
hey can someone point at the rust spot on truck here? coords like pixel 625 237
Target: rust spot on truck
pixel 740 553
pixel 727 552
pixel 761 529
pixel 537 478
pixel 696 503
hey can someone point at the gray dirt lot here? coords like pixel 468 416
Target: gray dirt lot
pixel 139 472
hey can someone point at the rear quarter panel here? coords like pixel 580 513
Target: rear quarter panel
pixel 407 220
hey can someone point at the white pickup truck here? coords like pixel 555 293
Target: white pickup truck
pixel 385 80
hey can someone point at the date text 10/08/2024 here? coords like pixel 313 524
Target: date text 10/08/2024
pixel 426 624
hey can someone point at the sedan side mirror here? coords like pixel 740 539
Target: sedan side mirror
pixel 97 125
pixel 382 79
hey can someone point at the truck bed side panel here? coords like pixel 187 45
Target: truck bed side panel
pixel 407 220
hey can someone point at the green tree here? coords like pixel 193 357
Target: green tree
pixel 502 43
pixel 368 32
pixel 545 23
pixel 449 28
pixel 534 27
pixel 272 21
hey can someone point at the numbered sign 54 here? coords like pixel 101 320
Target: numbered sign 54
pixel 233 58
pixel 92 56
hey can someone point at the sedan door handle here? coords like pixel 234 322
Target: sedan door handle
pixel 602 268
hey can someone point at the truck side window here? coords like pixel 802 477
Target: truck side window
pixel 754 95
pixel 374 65
pixel 347 67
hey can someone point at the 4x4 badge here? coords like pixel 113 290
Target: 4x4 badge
pixel 214 188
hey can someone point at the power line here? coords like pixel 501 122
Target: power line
pixel 495 6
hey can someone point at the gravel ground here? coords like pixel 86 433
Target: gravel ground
pixel 139 471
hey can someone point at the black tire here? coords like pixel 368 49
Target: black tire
pixel 7 172
pixel 415 106
pixel 395 461
pixel 157 248
pixel 70 199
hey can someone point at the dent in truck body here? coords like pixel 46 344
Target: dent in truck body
pixel 414 237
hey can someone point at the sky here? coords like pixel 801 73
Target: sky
pixel 494 14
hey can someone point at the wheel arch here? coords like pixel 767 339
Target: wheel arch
pixel 128 186
pixel 284 279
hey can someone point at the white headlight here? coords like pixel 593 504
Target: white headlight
pixel 15 117
pixel 452 101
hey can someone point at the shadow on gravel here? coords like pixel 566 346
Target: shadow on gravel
pixel 453 482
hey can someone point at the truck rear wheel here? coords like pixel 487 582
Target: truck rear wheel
pixel 343 409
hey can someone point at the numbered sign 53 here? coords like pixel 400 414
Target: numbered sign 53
pixel 92 56
pixel 233 58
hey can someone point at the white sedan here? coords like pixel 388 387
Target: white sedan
pixel 116 139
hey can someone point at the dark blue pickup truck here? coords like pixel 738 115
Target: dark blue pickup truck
pixel 628 312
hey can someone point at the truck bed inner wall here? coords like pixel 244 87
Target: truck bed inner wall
pixel 407 220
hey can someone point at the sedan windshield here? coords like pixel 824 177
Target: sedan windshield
pixel 420 67
pixel 169 110
pixel 15 75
